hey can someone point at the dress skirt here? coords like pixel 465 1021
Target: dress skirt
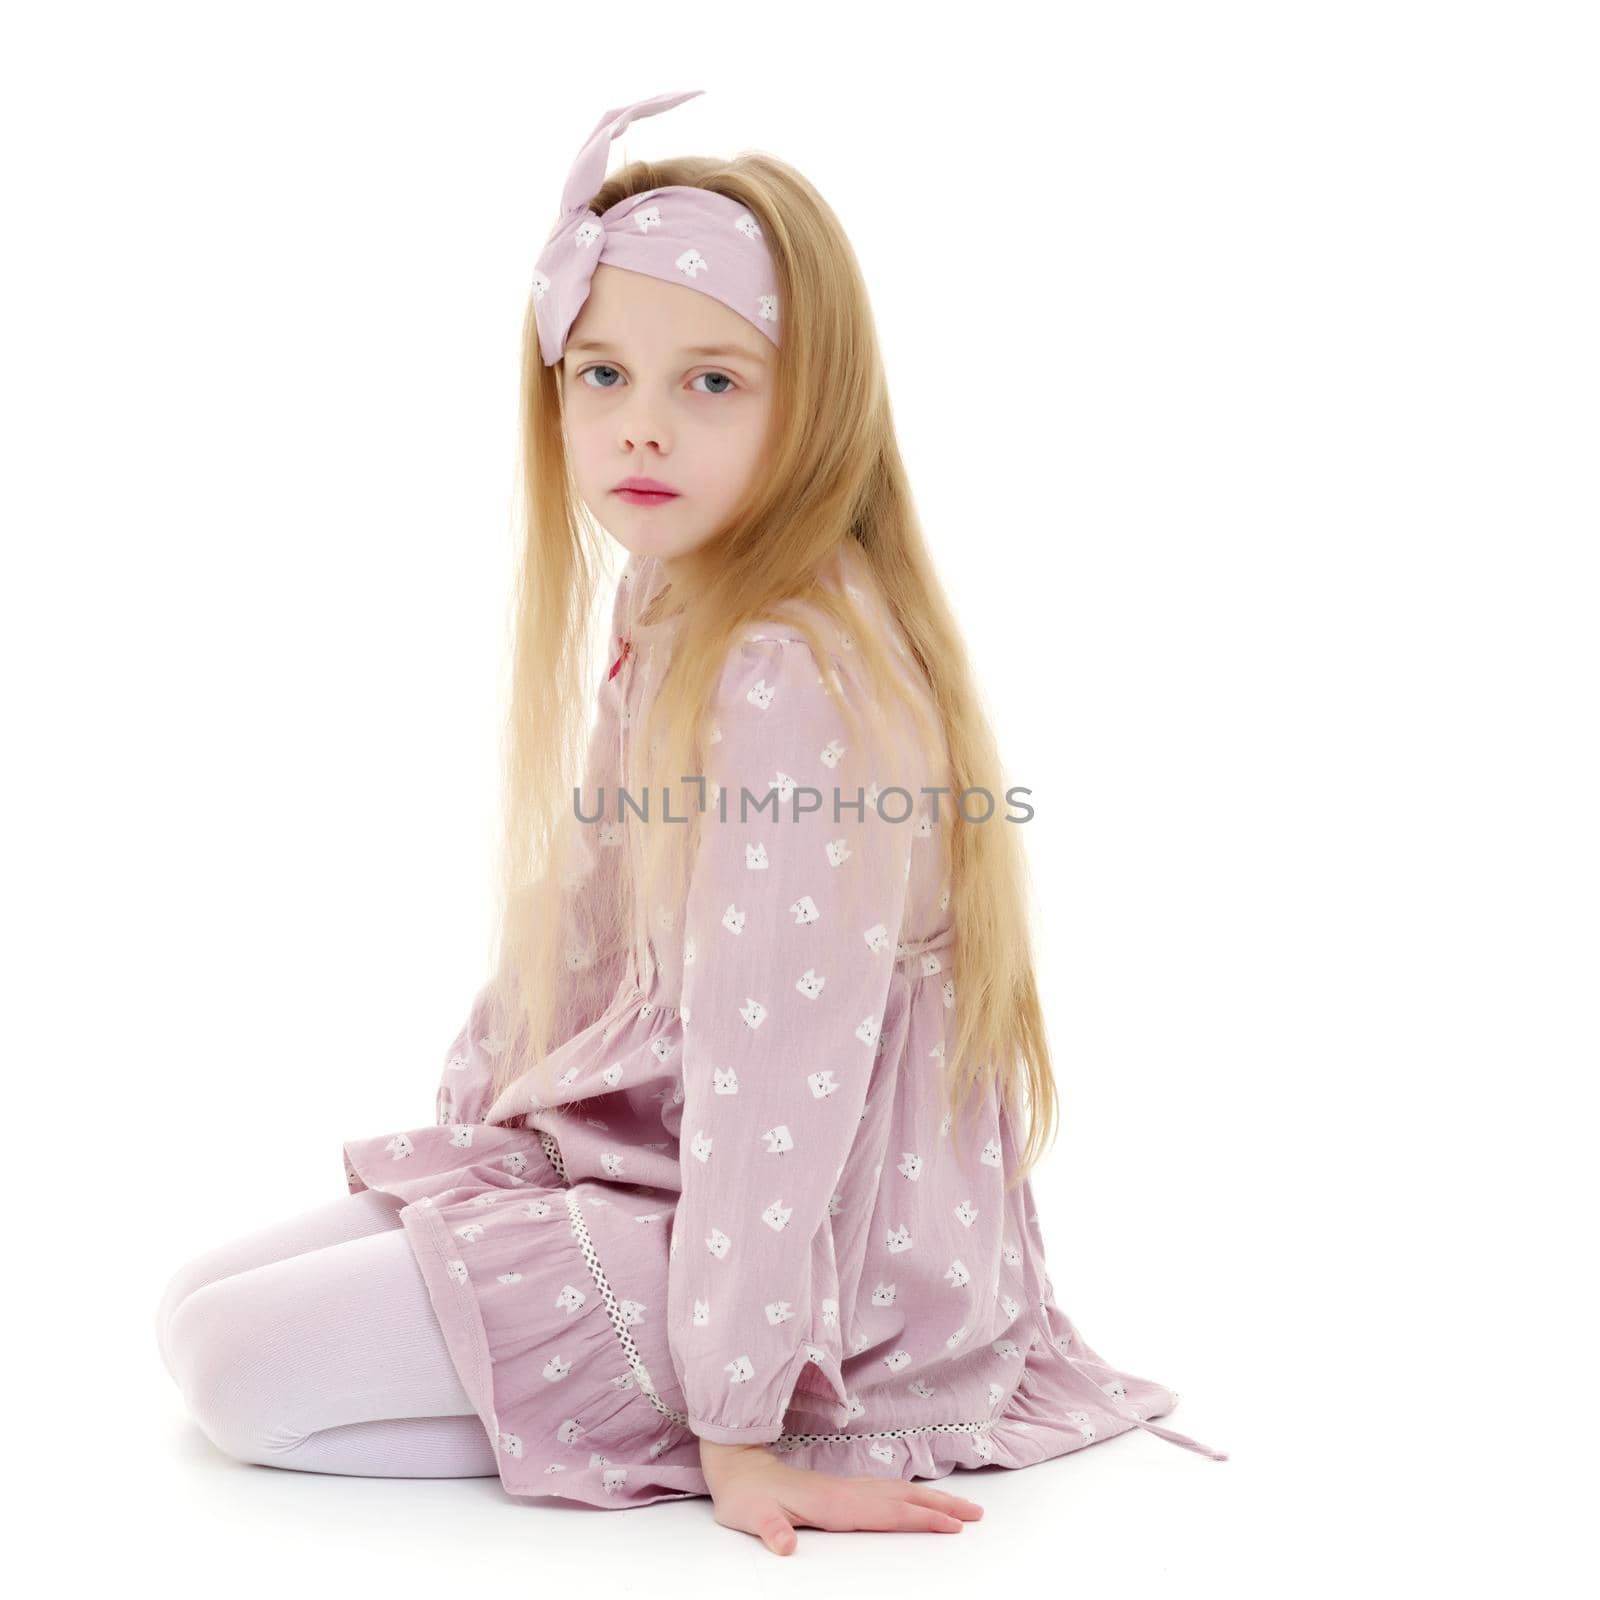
pixel 551 1300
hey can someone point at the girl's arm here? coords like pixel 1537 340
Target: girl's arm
pixel 794 923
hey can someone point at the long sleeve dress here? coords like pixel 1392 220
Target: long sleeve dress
pixel 744 1215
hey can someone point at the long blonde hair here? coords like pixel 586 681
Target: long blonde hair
pixel 832 475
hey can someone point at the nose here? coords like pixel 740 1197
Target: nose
pixel 641 423
pixel 635 439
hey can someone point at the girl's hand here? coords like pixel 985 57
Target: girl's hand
pixel 755 1492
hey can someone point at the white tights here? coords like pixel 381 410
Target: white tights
pixel 313 1344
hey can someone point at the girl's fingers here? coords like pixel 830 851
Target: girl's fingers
pixel 967 1510
pixel 874 1506
pixel 777 1533
pixel 909 1517
pixel 898 1516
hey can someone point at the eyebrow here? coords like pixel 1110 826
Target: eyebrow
pixel 739 351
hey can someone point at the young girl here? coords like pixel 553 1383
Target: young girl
pixel 727 1189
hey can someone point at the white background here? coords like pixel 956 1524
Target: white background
pixel 1244 358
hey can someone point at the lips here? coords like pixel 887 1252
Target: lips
pixel 645 492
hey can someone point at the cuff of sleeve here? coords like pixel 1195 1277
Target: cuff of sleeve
pixel 759 1433
pixel 750 1430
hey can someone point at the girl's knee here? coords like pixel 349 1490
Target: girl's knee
pixel 351 1216
pixel 183 1283
pixel 225 1361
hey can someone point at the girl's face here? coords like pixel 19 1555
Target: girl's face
pixel 660 381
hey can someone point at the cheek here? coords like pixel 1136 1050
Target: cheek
pixel 740 447
pixel 585 442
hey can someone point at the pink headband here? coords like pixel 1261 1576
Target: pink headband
pixel 679 233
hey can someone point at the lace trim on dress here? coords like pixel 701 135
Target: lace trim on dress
pixel 789 1441
pixel 784 1441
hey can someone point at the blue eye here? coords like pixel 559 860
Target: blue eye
pixel 603 367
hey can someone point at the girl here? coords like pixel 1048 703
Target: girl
pixel 726 1192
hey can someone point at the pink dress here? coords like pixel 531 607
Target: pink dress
pixel 746 1216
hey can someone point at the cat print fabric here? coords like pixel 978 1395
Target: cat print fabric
pixel 795 910
pixel 746 1214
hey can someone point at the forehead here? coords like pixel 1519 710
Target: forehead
pixel 634 312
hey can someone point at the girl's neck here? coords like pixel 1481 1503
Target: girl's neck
pixel 661 606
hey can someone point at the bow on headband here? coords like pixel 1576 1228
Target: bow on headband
pixel 680 233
